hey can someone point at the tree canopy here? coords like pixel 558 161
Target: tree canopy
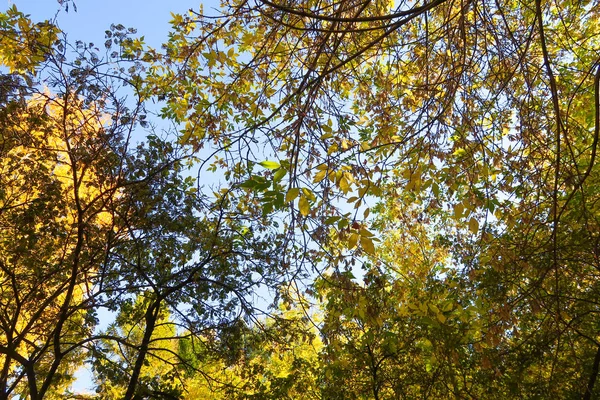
pixel 304 199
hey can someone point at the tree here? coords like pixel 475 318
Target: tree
pixel 92 222
pixel 346 134
pixel 116 358
pixel 278 358
pixel 24 44
pixel 405 330
pixel 182 252
pixel 425 95
pixel 54 214
pixel 61 158
pixel 485 116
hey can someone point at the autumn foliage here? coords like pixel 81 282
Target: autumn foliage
pixel 304 199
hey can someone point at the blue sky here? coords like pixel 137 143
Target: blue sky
pixel 149 17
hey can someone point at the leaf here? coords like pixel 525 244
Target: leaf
pixel 309 194
pixel 331 220
pixel 279 174
pixel 361 312
pixel 473 225
pixel 319 176
pixel 367 244
pixel 292 194
pixel 458 211
pixel 303 206
pixel 353 240
pixel 366 233
pixel 344 184
pixel 342 223
pixel 441 317
pixel 269 164
pixel 249 184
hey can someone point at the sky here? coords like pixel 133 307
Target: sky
pixel 149 17
pixel 88 24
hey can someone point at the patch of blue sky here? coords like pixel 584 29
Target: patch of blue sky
pixel 92 18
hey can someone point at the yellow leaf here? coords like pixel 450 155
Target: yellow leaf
pixel 473 225
pixel 367 244
pixel 441 317
pixel 366 233
pixel 309 194
pixel 279 174
pixel 319 176
pixel 303 206
pixel 269 164
pixel 414 182
pixel 344 185
pixel 353 240
pixel 291 194
pixel 458 210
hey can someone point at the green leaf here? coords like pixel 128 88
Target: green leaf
pixel 279 174
pixel 331 220
pixel 342 223
pixel 249 184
